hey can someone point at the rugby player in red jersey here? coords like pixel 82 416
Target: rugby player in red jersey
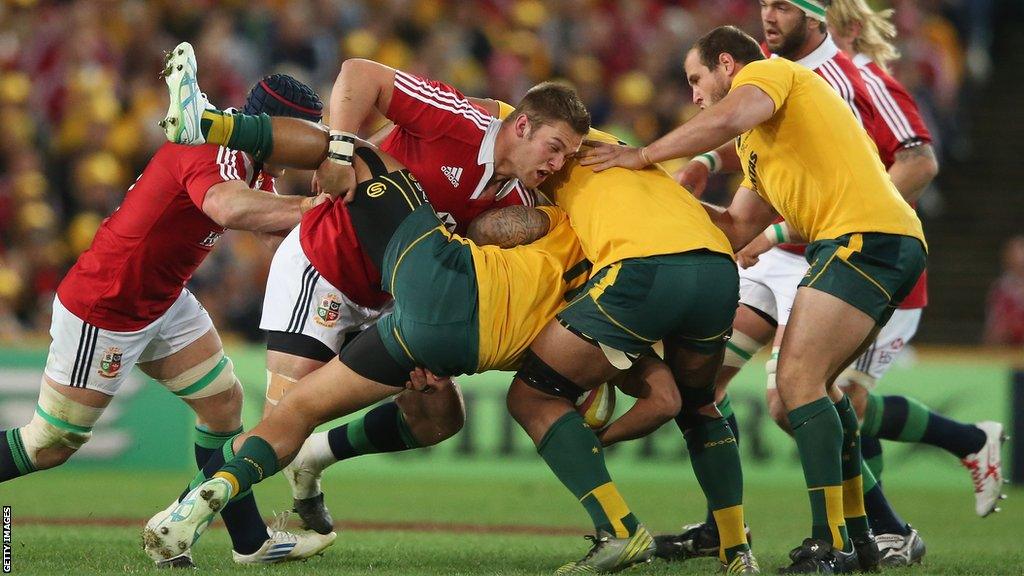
pixel 322 290
pixel 124 303
pixel 866 36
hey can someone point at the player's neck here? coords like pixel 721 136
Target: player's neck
pixel 503 168
pixel 813 42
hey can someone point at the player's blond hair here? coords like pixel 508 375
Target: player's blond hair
pixel 877 32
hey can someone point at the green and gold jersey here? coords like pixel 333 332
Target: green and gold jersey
pixel 814 163
pixel 620 213
pixel 521 289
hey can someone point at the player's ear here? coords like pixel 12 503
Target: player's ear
pixel 522 126
pixel 727 62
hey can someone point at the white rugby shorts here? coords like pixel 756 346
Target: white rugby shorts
pixel 770 285
pixel 85 356
pixel 299 301
pixel 880 356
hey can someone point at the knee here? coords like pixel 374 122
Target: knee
pixel 221 412
pixel 212 390
pixel 433 418
pixel 58 429
pixel 777 410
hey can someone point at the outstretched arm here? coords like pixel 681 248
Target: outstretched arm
pixel 234 205
pixel 741 110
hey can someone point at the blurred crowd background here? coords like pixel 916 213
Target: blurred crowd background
pixel 80 100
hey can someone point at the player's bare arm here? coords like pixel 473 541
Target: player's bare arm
pixel 694 174
pixel 913 170
pixel 657 401
pixel 746 217
pixel 362 87
pixel 741 110
pixel 509 226
pixel 234 205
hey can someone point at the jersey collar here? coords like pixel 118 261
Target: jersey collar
pixel 485 158
pixel 823 53
pixel 861 60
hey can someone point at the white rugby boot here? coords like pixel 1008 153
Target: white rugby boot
pixel 187 101
pixel 284 546
pixel 171 533
pixel 986 468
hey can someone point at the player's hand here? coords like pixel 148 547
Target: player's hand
pixel 423 380
pixel 310 202
pixel 750 253
pixel 602 156
pixel 694 177
pixel 335 179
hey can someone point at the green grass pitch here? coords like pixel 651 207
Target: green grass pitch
pixel 442 513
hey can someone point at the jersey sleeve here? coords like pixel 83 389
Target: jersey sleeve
pixel 202 167
pixel 428 108
pixel 896 107
pixel 773 77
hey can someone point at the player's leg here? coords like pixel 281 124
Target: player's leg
pixel 707 290
pixel 752 329
pixel 298 143
pixel 558 368
pixel 85 366
pixel 332 391
pixel 905 419
pixel 807 363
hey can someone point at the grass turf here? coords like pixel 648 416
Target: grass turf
pixel 445 520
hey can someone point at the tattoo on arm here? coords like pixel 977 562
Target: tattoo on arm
pixel 509 226
pixel 914 152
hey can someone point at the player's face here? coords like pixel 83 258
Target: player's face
pixel 709 86
pixel 785 27
pixel 543 150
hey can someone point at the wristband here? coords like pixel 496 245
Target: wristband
pixel 643 156
pixel 777 234
pixel 713 161
pixel 342 147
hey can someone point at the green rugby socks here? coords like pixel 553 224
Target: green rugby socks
pixel 14 459
pixel 574 454
pixel 716 464
pixel 245 132
pixel 853 481
pixel 819 439
pixel 382 429
pixel 906 420
pixel 253 463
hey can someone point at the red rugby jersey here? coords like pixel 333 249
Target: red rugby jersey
pixel 447 143
pixel 902 118
pixel 145 252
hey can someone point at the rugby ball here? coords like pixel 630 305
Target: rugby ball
pixel 597 406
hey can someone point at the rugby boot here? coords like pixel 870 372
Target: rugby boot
pixel 899 550
pixel 868 556
pixel 743 563
pixel 610 554
pixel 187 101
pixel 172 533
pixel 284 546
pixel 819 557
pixel 695 541
pixel 986 468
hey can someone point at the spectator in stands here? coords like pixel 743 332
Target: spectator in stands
pixel 1004 319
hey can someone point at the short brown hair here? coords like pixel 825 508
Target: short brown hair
pixel 550 102
pixel 730 40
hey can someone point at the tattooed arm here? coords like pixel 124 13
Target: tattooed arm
pixel 913 170
pixel 509 226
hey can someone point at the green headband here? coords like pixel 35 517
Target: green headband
pixel 814 9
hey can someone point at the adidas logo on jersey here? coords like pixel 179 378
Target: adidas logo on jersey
pixel 453 174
